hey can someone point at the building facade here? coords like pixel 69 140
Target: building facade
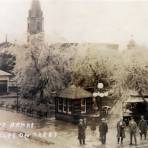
pixel 4 81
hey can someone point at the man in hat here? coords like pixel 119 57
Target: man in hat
pixel 121 130
pixel 103 129
pixel 81 132
pixel 133 130
pixel 142 127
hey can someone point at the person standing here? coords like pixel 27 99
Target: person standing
pixel 142 127
pixel 103 129
pixel 133 130
pixel 85 122
pixel 81 132
pixel 121 130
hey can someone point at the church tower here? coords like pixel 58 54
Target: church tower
pixel 35 19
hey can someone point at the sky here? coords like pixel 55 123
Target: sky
pixel 110 21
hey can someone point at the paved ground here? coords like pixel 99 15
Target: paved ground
pixel 66 134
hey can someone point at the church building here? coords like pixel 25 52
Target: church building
pixel 35 19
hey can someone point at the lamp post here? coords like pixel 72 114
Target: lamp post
pixel 17 91
pixel 99 94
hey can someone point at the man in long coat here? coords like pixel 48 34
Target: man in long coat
pixel 121 125
pixel 103 129
pixel 81 132
pixel 142 127
pixel 133 130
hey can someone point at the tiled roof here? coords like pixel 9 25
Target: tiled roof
pixel 73 92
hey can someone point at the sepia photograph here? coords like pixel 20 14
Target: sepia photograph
pixel 74 74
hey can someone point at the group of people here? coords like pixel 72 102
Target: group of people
pixel 133 129
pixel 121 125
pixel 103 129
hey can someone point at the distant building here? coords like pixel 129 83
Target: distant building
pixel 100 46
pixel 35 19
pixel 131 44
pixel 108 46
pixel 5 44
pixel 4 82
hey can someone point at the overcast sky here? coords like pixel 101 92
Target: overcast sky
pixel 80 20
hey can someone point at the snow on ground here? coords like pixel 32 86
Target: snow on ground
pixel 66 134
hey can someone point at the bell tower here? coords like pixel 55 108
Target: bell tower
pixel 35 19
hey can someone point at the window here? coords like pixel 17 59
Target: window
pixel 60 105
pixel 64 106
pixel 69 106
pixel 83 106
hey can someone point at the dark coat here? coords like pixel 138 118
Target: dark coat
pixel 81 131
pixel 121 129
pixel 133 127
pixel 142 126
pixel 93 125
pixel 85 123
pixel 103 128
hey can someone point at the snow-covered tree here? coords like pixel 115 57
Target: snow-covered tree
pixel 7 61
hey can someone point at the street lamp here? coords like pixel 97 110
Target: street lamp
pixel 17 91
pixel 99 94
pixel 100 85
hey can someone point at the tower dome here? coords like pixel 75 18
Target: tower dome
pixel 35 10
pixel 131 44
